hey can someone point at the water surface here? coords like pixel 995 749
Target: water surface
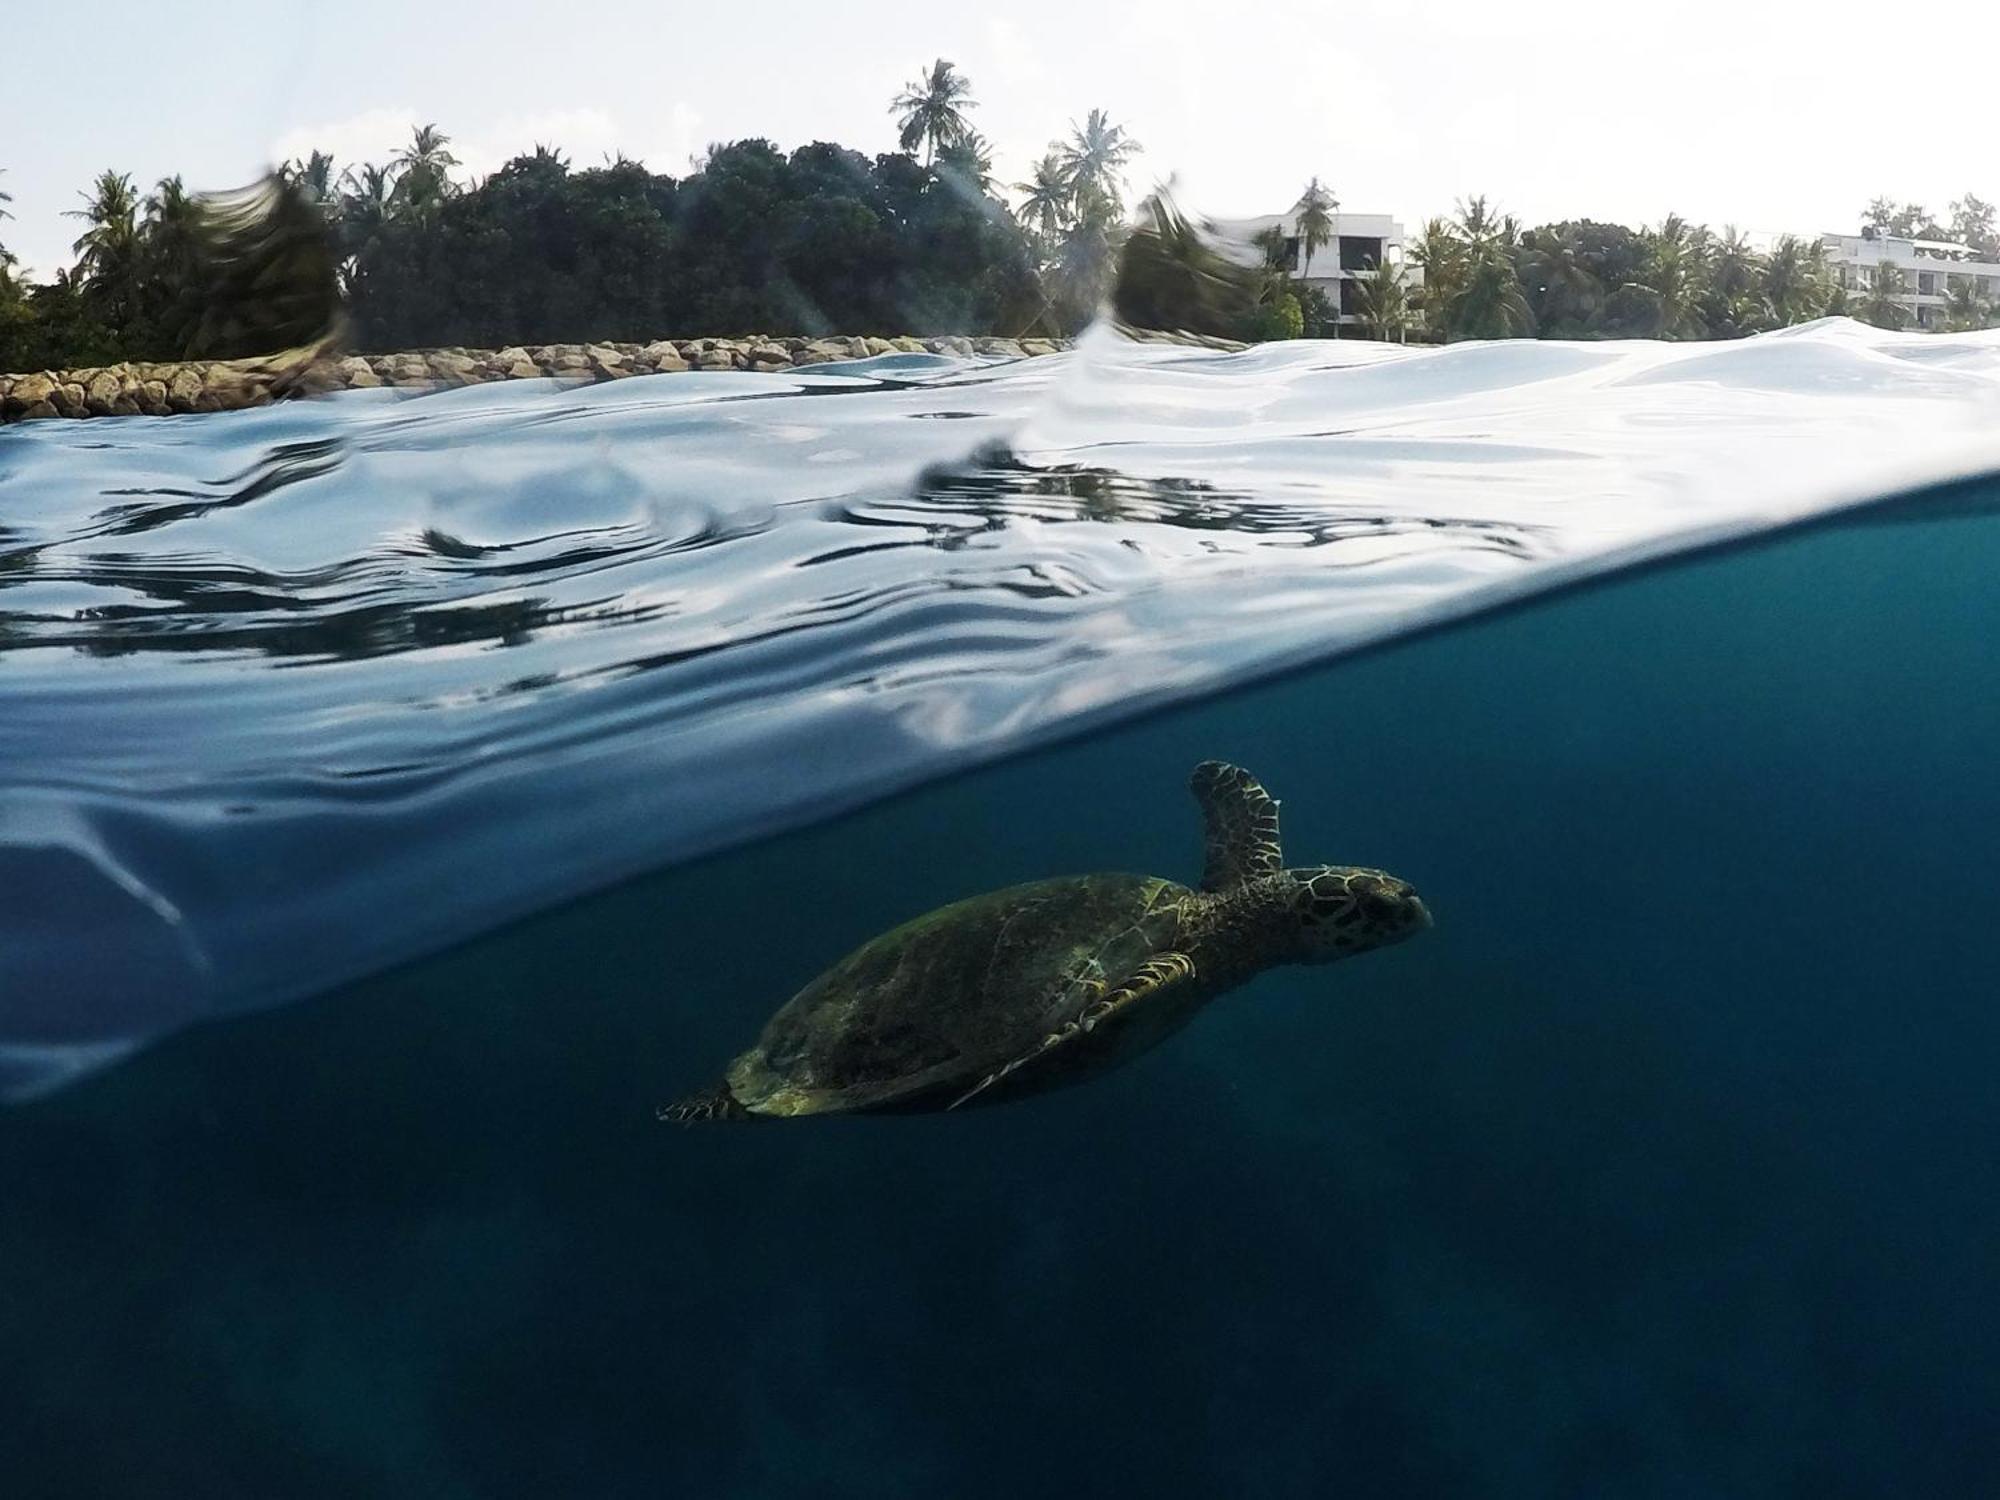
pixel 287 696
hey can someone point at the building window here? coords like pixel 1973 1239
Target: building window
pixel 1360 252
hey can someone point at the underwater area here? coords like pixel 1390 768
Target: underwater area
pixel 401 799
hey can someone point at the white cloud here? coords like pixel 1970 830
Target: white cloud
pixel 683 142
pixel 585 134
pixel 374 135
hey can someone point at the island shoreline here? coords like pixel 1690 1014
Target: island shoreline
pixel 149 388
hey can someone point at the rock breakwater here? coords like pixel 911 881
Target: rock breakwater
pixel 154 389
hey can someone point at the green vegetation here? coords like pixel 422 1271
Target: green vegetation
pixel 1382 302
pixel 825 239
pixel 820 240
pixel 931 111
pixel 1484 277
pixel 175 276
pixel 1880 306
pixel 1970 223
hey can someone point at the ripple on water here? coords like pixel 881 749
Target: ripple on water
pixel 289 694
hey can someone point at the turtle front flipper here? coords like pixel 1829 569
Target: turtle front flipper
pixel 1240 826
pixel 710 1104
pixel 1150 980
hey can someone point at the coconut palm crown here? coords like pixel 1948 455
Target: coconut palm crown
pixel 931 111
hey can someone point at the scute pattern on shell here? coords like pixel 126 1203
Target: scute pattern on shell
pixel 942 1001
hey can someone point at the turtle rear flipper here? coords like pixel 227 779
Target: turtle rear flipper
pixel 1153 978
pixel 1239 826
pixel 710 1104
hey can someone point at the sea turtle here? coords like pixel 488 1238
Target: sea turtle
pixel 1046 984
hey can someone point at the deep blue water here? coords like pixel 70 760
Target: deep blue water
pixel 1663 1166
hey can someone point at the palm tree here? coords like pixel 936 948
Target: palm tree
pixel 1087 257
pixel 422 182
pixel 367 203
pixel 1476 223
pixel 1488 302
pixel 931 111
pixel 1552 267
pixel 315 174
pixel 172 244
pixel 1315 221
pixel 1276 247
pixel 1795 287
pixel 1095 158
pixel 5 197
pixel 1048 195
pixel 967 164
pixel 1964 308
pixel 1676 277
pixel 1382 302
pixel 110 209
pixel 1732 303
pixel 107 252
pixel 1442 255
pixel 1491 304
pixel 1883 305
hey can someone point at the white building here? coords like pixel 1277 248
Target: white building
pixel 1359 244
pixel 1930 269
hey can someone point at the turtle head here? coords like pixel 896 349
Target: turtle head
pixel 1337 910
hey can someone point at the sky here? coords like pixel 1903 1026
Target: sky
pixel 1772 117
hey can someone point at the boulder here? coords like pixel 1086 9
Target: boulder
pixel 153 398
pixel 39 409
pixel 101 392
pixel 29 390
pixel 453 368
pixel 67 399
pixel 183 389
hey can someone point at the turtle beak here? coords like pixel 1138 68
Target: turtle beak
pixel 1424 918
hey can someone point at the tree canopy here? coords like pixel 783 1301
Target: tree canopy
pixel 826 239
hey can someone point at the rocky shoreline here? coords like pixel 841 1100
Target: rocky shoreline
pixel 150 389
